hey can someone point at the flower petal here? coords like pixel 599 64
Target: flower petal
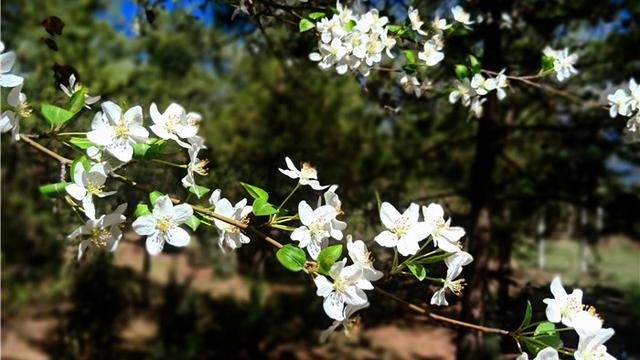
pixel 154 244
pixel 178 237
pixel 162 207
pixel 388 215
pixel 334 306
pixel 145 225
pixel 387 239
pixel 182 213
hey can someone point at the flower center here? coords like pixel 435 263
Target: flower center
pixel 122 131
pixel 24 110
pixel 164 224
pixel 201 167
pixel 571 307
pixel 340 284
pixel 94 188
pixel 402 225
pixel 599 353
pixel 317 227
pixel 100 237
pixel 171 123
pixel 456 286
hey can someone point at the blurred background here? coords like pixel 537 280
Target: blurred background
pixel 543 185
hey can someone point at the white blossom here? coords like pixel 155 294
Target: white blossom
pixel 562 62
pixel 103 232
pixel 361 257
pixel 316 228
pixel 163 225
pixel 308 175
pixel 230 235
pixel 482 85
pixel 10 119
pixel 461 16
pixel 116 131
pixel 632 129
pixel 174 123
pixel 7 59
pixel 416 22
pixel 477 106
pixel 411 84
pixel 431 53
pixel 195 166
pixel 619 102
pixel 86 184
pixel 547 353
pixel 444 235
pixel 454 265
pixel 563 307
pixel 331 198
pixel 347 288
pixel 75 86
pixel 591 346
pixel 348 323
pixel 634 89
pixel 461 90
pixel 440 24
pixel 501 83
pixel 403 230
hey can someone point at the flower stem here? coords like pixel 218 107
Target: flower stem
pixel 182 166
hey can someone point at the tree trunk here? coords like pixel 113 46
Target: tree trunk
pixel 481 192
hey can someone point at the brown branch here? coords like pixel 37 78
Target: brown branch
pixel 45 150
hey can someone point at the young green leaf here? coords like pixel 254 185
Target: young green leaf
pixel 475 64
pixel 410 68
pixel 262 208
pixel 411 58
pixel 255 192
pixel 198 190
pixel 394 28
pixel 546 63
pixel 76 102
pixel 80 142
pixel 149 150
pixel 545 335
pixel 417 270
pixel 527 316
pixel 141 209
pixel 328 256
pixel 193 222
pixel 154 195
pixel 306 24
pixel 56 116
pixel 462 71
pixel 291 257
pixel 349 26
pixel 316 15
pixel 53 190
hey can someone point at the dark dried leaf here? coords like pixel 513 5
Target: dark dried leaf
pixel 53 25
pixel 61 74
pixel 151 15
pixel 50 43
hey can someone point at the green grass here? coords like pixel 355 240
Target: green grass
pixel 613 262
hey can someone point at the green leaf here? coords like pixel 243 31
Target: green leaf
pixel 475 64
pixel 394 28
pixel 306 24
pixel 316 15
pixel 434 258
pixel 291 257
pixel 545 335
pixel 527 316
pixel 410 68
pixel 328 257
pixel 198 190
pixel 56 116
pixel 80 160
pixel 82 143
pixel 417 270
pixel 411 58
pixel 76 102
pixel 154 195
pixel 349 26
pixel 261 208
pixel 546 62
pixel 255 192
pixel 53 190
pixel 193 222
pixel 141 209
pixel 149 150
pixel 462 71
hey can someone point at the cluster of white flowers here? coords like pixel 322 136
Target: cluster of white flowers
pixel 344 293
pixel 405 231
pixel 350 41
pixel 562 62
pixel 16 99
pixel 230 235
pixel 627 104
pixel 473 93
pixel 568 309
